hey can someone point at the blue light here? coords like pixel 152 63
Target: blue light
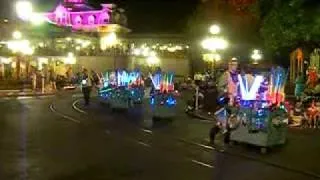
pixel 171 101
pixel 152 101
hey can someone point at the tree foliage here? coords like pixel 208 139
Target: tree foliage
pixel 288 24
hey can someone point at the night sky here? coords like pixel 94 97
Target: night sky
pixel 144 16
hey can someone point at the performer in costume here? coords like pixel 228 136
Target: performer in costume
pixel 232 79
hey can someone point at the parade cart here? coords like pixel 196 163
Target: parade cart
pixel 258 116
pixel 107 88
pixel 123 89
pixel 162 100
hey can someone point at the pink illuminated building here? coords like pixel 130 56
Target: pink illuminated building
pixel 78 15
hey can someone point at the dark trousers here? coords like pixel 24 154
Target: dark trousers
pixel 213 132
pixel 86 95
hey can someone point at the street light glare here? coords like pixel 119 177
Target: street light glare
pixel 214 44
pixel 256 55
pixel 217 57
pixel 17 35
pixel 109 40
pixel 24 10
pixel 37 19
pixel 214 29
pixel 153 60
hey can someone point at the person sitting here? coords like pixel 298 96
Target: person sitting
pixel 312 115
pixel 297 115
pixel 317 119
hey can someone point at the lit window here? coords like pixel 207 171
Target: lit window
pixel 91 20
pixel 78 20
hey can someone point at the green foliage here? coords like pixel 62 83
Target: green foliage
pixel 289 24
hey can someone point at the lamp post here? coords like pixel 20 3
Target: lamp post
pixel 256 56
pixel 24 10
pixel 213 44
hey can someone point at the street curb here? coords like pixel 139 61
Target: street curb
pixel 196 115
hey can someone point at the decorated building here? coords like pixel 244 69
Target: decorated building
pixel 79 15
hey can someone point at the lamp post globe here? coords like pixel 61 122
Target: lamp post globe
pixel 214 29
pixel 24 10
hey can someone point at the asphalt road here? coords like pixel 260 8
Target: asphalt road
pixel 58 138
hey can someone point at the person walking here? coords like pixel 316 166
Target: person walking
pixel 52 79
pixel 86 85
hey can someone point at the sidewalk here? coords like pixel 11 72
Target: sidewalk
pixel 27 92
pixel 203 115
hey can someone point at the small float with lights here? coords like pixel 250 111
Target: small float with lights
pixel 257 114
pixel 162 99
pixel 121 89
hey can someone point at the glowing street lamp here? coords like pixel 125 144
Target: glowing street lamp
pixel 214 29
pixel 153 61
pixel 256 55
pixel 214 43
pixel 109 40
pixel 37 19
pixel 70 59
pixel 24 10
pixel 17 35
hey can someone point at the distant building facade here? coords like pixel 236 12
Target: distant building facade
pixel 78 15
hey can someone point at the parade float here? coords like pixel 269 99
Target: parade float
pixel 107 87
pixel 162 99
pixel 257 114
pixel 121 89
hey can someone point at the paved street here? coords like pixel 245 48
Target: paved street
pixel 58 138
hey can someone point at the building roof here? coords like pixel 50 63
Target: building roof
pixel 81 8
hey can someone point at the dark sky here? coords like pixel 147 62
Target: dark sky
pixel 145 16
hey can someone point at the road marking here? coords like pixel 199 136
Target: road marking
pixel 202 164
pixel 143 144
pixel 197 144
pixel 24 97
pixel 147 131
pixel 62 115
pixel 74 105
pixel 204 146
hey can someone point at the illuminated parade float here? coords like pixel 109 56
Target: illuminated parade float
pixel 162 101
pixel 121 89
pixel 256 112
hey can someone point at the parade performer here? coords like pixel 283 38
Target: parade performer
pixel 228 83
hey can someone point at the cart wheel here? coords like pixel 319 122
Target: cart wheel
pixel 263 150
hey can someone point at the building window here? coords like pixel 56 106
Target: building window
pixel 78 20
pixel 91 20
pixel 104 18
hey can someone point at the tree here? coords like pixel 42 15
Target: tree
pixel 289 24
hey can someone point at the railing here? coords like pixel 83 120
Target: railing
pixel 92 52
